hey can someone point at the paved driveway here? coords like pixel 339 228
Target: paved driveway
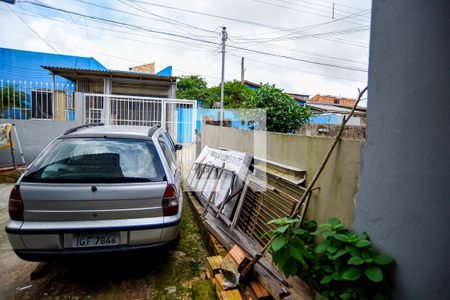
pixel 159 274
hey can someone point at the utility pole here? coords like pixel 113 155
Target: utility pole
pixel 222 85
pixel 242 70
pixel 332 16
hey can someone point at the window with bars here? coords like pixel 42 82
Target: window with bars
pixel 42 104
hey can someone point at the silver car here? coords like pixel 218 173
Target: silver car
pixel 97 189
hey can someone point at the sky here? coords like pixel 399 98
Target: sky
pixel 297 45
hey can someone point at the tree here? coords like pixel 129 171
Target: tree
pixel 195 87
pixel 192 87
pixel 235 94
pixel 283 114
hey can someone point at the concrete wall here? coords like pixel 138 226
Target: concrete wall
pixel 338 181
pixel 350 132
pixel 404 201
pixel 35 135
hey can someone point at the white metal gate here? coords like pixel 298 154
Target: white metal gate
pixel 177 116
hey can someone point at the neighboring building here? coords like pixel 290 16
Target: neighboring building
pixel 146 68
pixel 22 77
pixel 299 98
pixel 327 99
pixel 332 114
pixel 30 91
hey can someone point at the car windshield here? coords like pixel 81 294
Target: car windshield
pixel 102 160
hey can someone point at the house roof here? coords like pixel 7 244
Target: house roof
pixel 335 108
pixel 75 73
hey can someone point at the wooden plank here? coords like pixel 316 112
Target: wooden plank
pixel 260 292
pixel 214 263
pixel 239 207
pixel 231 295
pixel 239 255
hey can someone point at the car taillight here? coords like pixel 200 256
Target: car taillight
pixel 170 201
pixel 15 205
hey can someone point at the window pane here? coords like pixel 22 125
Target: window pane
pixel 167 153
pixel 98 160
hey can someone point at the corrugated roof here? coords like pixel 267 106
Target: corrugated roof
pixel 336 108
pixel 71 73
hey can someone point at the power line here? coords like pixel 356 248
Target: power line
pixel 292 30
pixel 324 6
pixel 296 69
pixel 299 10
pixel 36 33
pixel 196 39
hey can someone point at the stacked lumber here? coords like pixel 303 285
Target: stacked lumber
pixel 214 263
pixel 225 275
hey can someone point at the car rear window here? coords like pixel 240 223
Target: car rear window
pixel 97 160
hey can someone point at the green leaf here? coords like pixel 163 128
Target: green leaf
pixel 327 234
pixel 346 295
pixel 332 249
pixel 297 255
pixel 281 257
pixel 374 273
pixel 341 237
pixel 353 250
pixel 355 260
pixel 363 243
pixel 281 229
pixel 334 222
pixel 326 279
pixel 279 221
pixel 278 243
pixel 351 274
pixel 339 254
pixel 335 276
pixel 290 268
pixel 299 231
pixel 383 260
pixel 296 242
pixel 327 268
pixel 322 246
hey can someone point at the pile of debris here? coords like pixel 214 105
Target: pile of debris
pixel 224 274
pixel 235 203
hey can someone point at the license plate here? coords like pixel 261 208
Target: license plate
pixel 96 240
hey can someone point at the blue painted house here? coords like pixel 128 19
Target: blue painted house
pixel 30 91
pixel 36 85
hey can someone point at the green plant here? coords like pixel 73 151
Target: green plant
pixel 283 114
pixel 342 265
pixel 293 248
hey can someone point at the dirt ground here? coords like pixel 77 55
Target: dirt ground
pixel 159 274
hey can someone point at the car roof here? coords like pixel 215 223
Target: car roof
pixel 139 132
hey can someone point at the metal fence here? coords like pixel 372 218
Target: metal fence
pixel 37 100
pixel 176 115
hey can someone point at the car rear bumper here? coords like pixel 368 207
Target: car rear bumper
pixel 48 255
pixel 39 242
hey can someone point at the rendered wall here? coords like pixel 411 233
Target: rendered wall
pixel 338 182
pixel 404 197
pixel 35 135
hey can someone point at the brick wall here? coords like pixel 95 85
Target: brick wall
pixel 327 99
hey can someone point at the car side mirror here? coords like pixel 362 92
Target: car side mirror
pixel 178 147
